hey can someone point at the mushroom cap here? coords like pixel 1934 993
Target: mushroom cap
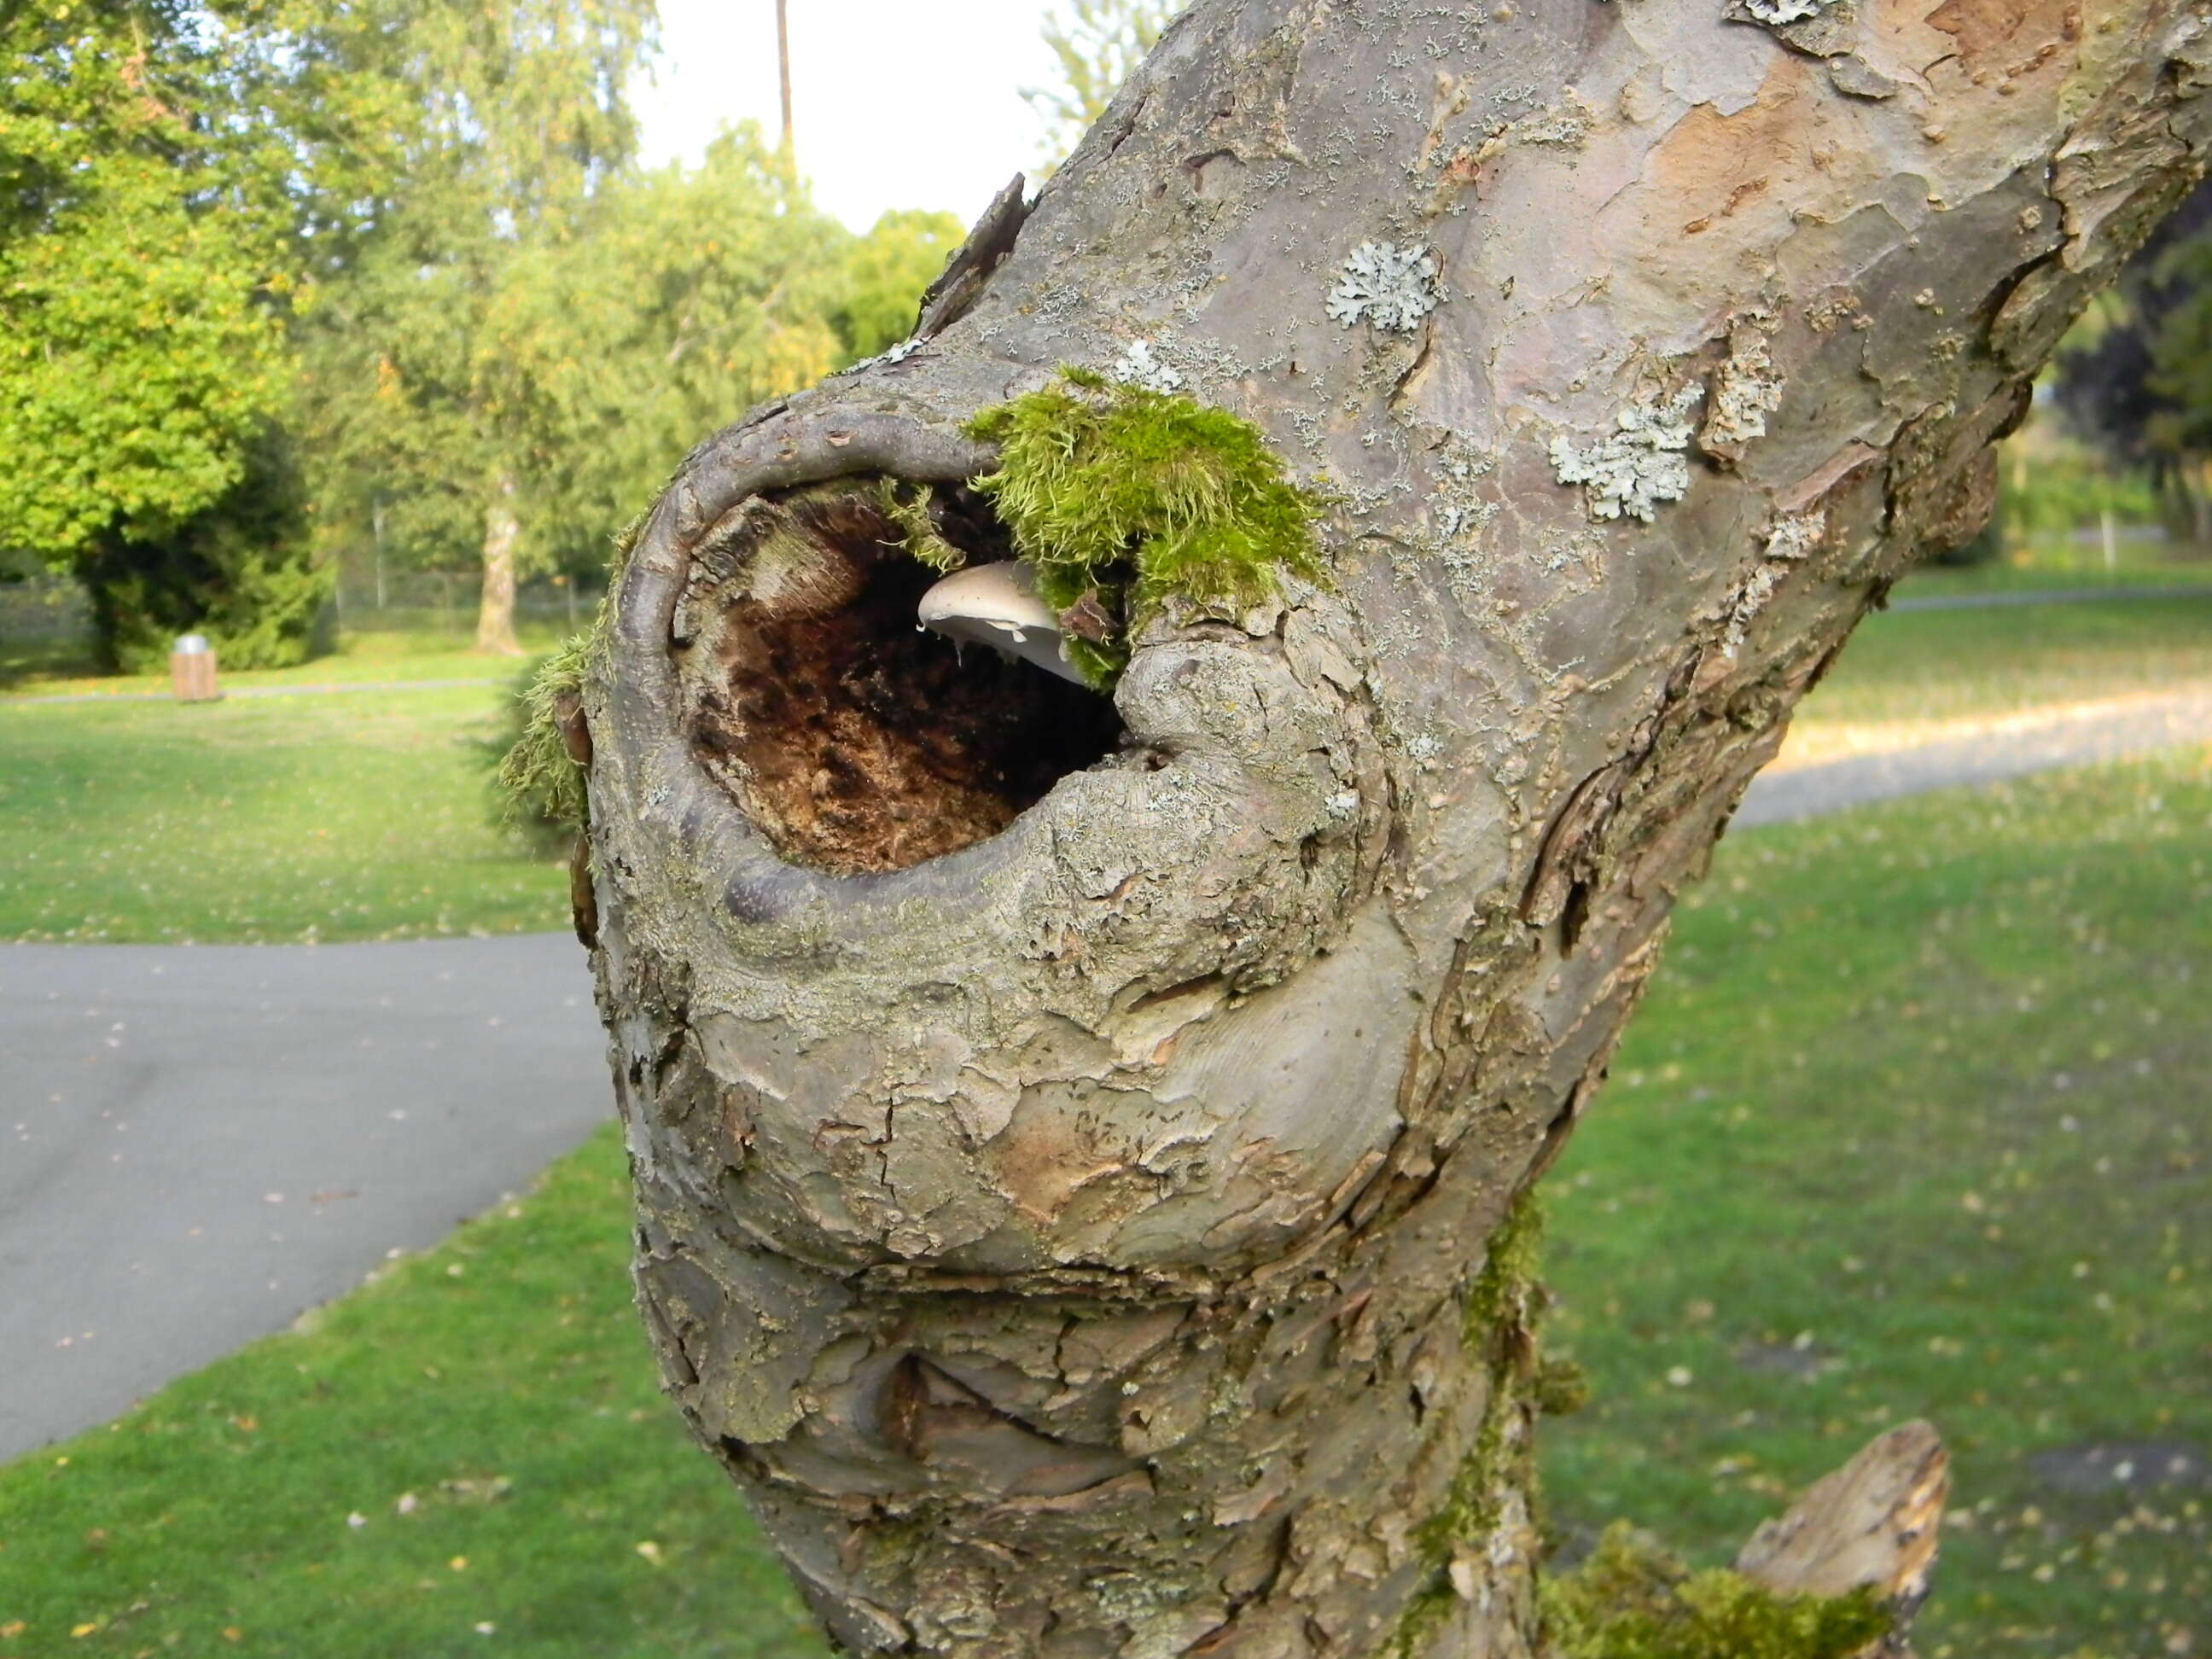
pixel 997 605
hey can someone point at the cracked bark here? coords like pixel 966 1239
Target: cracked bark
pixel 1067 1239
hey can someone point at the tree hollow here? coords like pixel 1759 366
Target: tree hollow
pixel 855 740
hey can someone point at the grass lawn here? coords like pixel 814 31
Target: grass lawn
pixel 2141 558
pixel 361 816
pixel 468 1457
pixel 403 646
pixel 1913 1123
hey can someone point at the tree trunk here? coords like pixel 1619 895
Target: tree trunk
pixel 496 610
pixel 1091 1221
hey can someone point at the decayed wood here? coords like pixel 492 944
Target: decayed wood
pixel 1072 1242
pixel 1871 1525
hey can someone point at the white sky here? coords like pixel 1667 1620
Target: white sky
pixel 895 103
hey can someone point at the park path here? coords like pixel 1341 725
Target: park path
pixel 200 1142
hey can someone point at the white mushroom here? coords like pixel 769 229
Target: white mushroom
pixel 997 605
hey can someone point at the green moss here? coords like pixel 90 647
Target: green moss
pixel 1506 1291
pixel 543 785
pixel 1125 497
pixel 918 527
pixel 1562 1389
pixel 1498 1326
pixel 1631 1600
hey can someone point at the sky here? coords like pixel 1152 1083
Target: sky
pixel 895 103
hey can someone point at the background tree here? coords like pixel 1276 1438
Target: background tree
pixel 587 364
pixel 886 273
pixel 144 277
pixel 513 124
pixel 1097 44
pixel 2132 378
pixel 1085 1147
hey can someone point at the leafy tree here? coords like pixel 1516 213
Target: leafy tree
pixel 687 289
pixel 538 397
pixel 1097 43
pixel 885 274
pixel 143 280
pixel 2177 389
pixel 235 571
pixel 2134 375
pixel 513 126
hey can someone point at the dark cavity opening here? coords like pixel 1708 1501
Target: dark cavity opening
pixel 854 740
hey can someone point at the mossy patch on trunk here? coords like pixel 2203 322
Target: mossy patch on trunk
pixel 1631 1600
pixel 1122 497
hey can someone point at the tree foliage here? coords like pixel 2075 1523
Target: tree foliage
pixel 886 273
pixel 143 289
pixel 2135 377
pixel 1096 42
pixel 506 126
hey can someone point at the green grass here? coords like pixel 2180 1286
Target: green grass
pixel 1922 1085
pixel 1914 1124
pixel 1953 665
pixel 361 816
pixel 486 1411
pixel 403 645
pixel 2141 559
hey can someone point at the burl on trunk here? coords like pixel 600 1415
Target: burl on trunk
pixel 1082 1141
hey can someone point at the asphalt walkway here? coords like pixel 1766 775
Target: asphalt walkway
pixel 2007 747
pixel 199 1142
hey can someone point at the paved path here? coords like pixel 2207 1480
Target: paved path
pixel 199 1142
pixel 2007 748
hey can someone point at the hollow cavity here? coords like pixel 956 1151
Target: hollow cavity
pixel 854 740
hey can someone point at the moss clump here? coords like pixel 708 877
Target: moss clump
pixel 1122 496
pixel 540 785
pixel 1498 1325
pixel 917 527
pixel 543 785
pixel 1562 1387
pixel 1631 1600
pixel 1498 1321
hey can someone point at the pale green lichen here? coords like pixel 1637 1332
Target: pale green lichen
pixel 1388 286
pixel 1631 1600
pixel 1638 464
pixel 1778 12
pixel 1126 496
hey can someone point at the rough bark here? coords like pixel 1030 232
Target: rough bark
pixel 496 605
pixel 1086 1241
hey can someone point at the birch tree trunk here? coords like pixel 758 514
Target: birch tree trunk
pixel 495 602
pixel 1078 1150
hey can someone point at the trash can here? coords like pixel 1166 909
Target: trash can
pixel 191 669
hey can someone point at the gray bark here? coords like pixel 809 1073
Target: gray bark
pixel 1073 1241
